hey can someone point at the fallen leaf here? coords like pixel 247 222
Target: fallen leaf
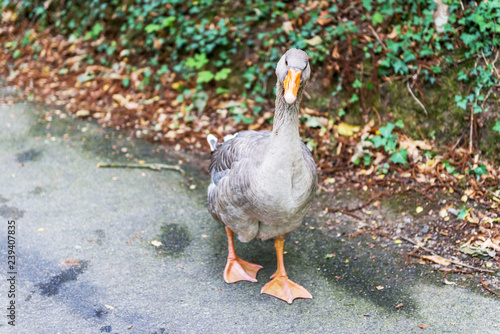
pixel 324 18
pixel 437 259
pixel 335 52
pixel 82 113
pixel 109 307
pixel 422 326
pixel 393 33
pixel 347 130
pixel 316 40
pixel 399 305
pixel 380 287
pixel 156 243
pixel 287 27
pixel 419 209
pixel 70 262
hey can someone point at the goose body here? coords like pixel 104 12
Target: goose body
pixel 260 189
pixel 263 182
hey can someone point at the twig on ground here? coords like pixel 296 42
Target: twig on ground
pixel 379 233
pixel 458 263
pixel 415 98
pixel 349 214
pixel 448 271
pixel 378 37
pixel 148 166
pixel 485 285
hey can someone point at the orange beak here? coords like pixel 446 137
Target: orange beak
pixel 292 83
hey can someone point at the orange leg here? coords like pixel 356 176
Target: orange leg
pixel 280 286
pixel 237 269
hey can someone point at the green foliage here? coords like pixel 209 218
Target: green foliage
pixel 480 170
pixel 497 126
pixel 202 40
pixel 204 76
pixel 389 141
pixel 222 74
pixel 399 157
pixel 386 139
pixel 197 62
pixel 463 213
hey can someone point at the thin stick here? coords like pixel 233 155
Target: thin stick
pixel 450 260
pixel 415 98
pixel 148 166
pixel 378 37
pixel 485 285
pixel 471 129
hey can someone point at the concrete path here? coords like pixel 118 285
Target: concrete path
pixel 85 262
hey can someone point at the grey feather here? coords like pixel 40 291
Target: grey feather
pixel 263 183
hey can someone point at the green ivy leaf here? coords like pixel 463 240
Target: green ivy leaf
pixel 354 98
pixel 461 102
pixel 341 112
pixel 221 90
pixel 168 22
pixel 357 84
pixel 468 38
pixel 126 82
pixel 222 74
pixel 400 156
pixel 480 170
pixel 497 126
pixel 400 67
pixel 462 76
pixel 462 213
pixel 386 131
pixel 449 168
pixel 152 28
pixel 377 18
pixel 198 61
pixel 379 141
pixel 400 124
pixel 367 4
pixel 436 69
pixel 205 76
pixel 409 56
pixel 367 159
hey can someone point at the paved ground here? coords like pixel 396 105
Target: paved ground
pixel 85 261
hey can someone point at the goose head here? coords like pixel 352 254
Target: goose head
pixel 293 71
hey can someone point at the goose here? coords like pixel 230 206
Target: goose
pixel 263 182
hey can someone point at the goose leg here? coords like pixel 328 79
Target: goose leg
pixel 237 269
pixel 280 286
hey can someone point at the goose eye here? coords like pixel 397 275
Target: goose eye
pixel 286 62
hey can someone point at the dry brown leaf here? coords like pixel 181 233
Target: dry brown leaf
pixel 437 259
pixel 70 262
pixel 393 33
pixel 82 113
pixel 323 19
pixel 335 52
pixel 287 26
pixel 413 146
